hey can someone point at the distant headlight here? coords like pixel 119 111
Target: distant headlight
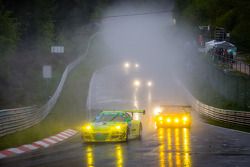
pixel 157 110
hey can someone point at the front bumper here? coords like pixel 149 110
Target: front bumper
pixel 104 136
pixel 172 125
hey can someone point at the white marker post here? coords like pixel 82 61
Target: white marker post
pixel 47 74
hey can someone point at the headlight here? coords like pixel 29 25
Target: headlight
pixel 168 120
pixel 136 116
pixel 185 119
pixel 88 127
pixel 118 127
pixel 157 110
pixel 176 120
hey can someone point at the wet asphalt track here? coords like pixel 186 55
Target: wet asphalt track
pixel 202 145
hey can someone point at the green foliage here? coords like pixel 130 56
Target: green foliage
pixel 241 35
pixel 28 29
pixel 227 20
pixel 231 14
pixel 8 33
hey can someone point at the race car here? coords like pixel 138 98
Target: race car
pixel 113 126
pixel 172 116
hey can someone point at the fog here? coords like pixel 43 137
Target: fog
pixel 146 34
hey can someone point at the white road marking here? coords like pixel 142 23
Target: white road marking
pixel 66 134
pixel 50 141
pixel 15 150
pixel 62 136
pixel 41 143
pixel 56 138
pixel 30 146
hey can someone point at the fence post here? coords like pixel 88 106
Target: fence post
pixel 248 69
pixel 240 66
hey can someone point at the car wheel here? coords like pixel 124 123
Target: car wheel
pixel 127 133
pixel 140 132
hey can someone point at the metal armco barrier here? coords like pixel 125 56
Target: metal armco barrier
pixel 12 120
pixel 226 116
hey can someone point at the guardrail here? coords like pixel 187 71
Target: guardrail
pixel 12 120
pixel 227 116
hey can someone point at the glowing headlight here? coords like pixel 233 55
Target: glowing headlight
pixel 176 120
pixel 118 127
pixel 168 120
pixel 184 119
pixel 160 118
pixel 157 110
pixel 88 127
pixel 136 116
pixel 127 65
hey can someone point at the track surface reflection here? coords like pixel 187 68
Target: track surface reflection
pixel 168 147
pixel 174 147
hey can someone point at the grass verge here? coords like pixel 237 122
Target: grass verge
pixel 226 125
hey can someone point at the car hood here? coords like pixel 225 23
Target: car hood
pixel 99 126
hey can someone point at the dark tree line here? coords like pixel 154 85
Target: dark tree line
pixel 28 28
pixel 233 15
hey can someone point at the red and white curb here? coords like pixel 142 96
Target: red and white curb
pixel 47 142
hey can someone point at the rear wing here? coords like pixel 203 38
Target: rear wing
pixel 135 111
pixel 171 108
pixel 129 111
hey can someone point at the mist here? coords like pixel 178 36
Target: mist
pixel 149 39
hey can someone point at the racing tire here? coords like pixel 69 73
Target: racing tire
pixel 127 133
pixel 140 132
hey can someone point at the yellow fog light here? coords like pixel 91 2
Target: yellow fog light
pixel 118 127
pixel 160 118
pixel 88 127
pixel 184 119
pixel 168 120
pixel 176 120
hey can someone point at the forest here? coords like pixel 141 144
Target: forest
pixel 233 15
pixel 28 29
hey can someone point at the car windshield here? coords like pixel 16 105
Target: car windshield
pixel 109 117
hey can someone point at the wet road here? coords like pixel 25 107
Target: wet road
pixel 203 146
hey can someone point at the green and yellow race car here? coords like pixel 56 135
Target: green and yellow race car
pixel 113 126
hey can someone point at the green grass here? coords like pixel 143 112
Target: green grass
pixel 226 125
pixel 70 109
pixel 245 57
